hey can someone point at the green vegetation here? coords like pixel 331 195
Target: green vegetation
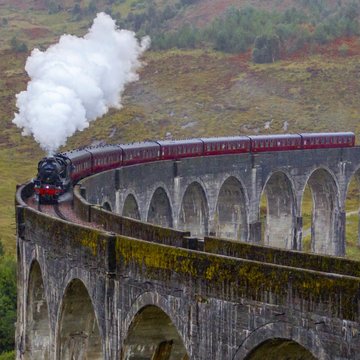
pixel 7 305
pixel 9 355
pixel 270 33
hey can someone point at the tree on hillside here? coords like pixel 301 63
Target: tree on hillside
pixel 18 46
pixel 266 49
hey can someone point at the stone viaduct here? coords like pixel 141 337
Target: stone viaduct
pixel 154 275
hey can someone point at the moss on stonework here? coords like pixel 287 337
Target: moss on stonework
pixel 242 277
pixel 214 275
pixel 324 263
pixel 63 233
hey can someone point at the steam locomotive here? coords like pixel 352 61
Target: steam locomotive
pixel 57 174
pixel 53 178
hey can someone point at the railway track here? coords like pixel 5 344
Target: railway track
pixel 58 212
pixel 51 210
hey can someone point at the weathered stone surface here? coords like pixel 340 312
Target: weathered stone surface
pixel 90 294
pixel 221 195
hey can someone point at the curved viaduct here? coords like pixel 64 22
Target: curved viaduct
pixel 120 288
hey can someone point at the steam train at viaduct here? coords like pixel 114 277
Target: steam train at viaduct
pixel 58 173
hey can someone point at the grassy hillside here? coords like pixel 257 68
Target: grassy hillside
pixel 181 93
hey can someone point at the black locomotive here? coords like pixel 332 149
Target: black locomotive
pixel 53 178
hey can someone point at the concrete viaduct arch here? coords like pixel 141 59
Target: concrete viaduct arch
pixel 281 206
pixel 78 330
pixel 160 210
pixel 295 342
pixel 37 338
pixel 123 281
pixel 151 322
pixel 231 217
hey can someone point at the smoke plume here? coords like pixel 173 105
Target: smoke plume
pixel 76 81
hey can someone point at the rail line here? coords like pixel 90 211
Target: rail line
pixel 58 212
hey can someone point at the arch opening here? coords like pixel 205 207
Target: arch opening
pixel 160 210
pixel 152 335
pixel 307 210
pixel 230 216
pixel 131 208
pixel 37 338
pixel 276 349
pixel 79 336
pixel 325 212
pixel 277 212
pixel 194 213
pixel 352 207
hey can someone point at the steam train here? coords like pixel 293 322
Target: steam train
pixel 57 174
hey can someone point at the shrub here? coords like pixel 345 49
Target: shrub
pixel 9 355
pixel 266 49
pixel 7 303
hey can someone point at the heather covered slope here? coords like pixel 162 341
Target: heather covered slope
pixel 181 93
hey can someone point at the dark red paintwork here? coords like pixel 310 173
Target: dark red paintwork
pixel 178 149
pixel 106 157
pixel 281 142
pixel 327 140
pixel 82 163
pixel 140 152
pixel 226 145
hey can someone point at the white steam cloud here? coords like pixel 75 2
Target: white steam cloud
pixel 76 81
